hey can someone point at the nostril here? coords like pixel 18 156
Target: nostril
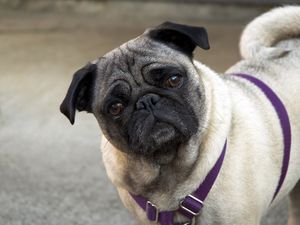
pixel 154 99
pixel 140 105
pixel 147 101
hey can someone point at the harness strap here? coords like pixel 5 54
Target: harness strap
pixel 284 123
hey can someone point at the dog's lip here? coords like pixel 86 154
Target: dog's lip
pixel 163 119
pixel 162 136
pixel 163 129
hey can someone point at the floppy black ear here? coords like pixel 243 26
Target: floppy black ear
pixel 181 37
pixel 79 95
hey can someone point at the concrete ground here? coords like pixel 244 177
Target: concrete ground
pixel 51 173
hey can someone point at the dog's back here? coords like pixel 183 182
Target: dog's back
pixel 270 47
pixel 273 42
pixel 273 39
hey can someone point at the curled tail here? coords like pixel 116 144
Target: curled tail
pixel 260 35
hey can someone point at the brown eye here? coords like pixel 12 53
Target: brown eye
pixel 173 81
pixel 116 109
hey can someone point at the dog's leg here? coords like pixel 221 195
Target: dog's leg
pixel 295 206
pixel 278 215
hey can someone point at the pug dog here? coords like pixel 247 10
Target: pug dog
pixel 169 122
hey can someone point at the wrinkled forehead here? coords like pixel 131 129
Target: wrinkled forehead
pixel 130 58
pixel 142 48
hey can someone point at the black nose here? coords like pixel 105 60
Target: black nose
pixel 147 101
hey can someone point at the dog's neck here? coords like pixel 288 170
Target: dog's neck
pixel 148 179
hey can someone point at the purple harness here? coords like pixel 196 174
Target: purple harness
pixel 192 204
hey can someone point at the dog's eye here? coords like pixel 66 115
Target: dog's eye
pixel 173 81
pixel 116 109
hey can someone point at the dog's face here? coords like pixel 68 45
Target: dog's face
pixel 146 95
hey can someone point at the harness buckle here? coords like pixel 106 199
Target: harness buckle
pixel 190 206
pixel 152 211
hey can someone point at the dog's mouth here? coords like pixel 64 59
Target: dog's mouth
pixel 154 138
pixel 159 130
pixel 161 144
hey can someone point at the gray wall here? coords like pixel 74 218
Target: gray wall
pixel 18 4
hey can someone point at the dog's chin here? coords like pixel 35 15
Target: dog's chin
pixel 164 156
